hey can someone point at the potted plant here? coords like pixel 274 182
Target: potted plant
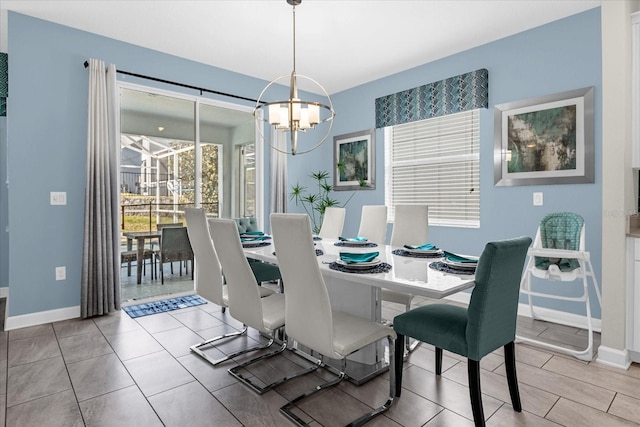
pixel 315 203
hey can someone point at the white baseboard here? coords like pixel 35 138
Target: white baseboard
pixel 555 316
pixel 39 318
pixel 564 318
pixel 613 357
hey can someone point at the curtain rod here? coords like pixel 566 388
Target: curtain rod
pixel 201 89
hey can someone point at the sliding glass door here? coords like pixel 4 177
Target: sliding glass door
pixel 176 152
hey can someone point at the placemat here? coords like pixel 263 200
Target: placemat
pixel 446 268
pixel 383 267
pixel 318 252
pixel 402 252
pixel 356 245
pixel 254 245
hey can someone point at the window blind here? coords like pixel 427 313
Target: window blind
pixel 436 162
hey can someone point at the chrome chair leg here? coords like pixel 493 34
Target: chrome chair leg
pixel 196 348
pixel 287 409
pixel 235 371
pixel 392 391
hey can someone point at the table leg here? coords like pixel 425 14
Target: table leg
pixel 129 247
pixel 139 258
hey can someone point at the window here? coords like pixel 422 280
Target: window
pixel 436 162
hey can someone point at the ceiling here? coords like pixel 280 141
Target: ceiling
pixel 339 43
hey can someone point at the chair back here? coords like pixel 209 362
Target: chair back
pixel 175 244
pixel 493 308
pixel 562 230
pixel 308 316
pixel 332 223
pixel 410 225
pixel 208 275
pixel 373 223
pixel 247 224
pixel 242 288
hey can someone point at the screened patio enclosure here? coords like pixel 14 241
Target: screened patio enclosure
pixel 178 152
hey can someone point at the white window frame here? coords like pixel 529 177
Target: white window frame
pixel 474 156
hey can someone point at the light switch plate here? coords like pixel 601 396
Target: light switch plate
pixel 537 199
pixel 61 273
pixel 58 197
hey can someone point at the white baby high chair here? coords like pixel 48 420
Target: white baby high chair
pixel 558 254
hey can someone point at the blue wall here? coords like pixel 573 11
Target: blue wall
pixel 46 130
pixel 46 133
pixel 557 57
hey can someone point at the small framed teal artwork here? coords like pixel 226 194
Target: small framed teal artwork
pixel 354 161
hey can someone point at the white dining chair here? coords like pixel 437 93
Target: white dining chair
pixel 373 223
pixel 410 227
pixel 310 320
pixel 246 305
pixel 332 223
pixel 208 278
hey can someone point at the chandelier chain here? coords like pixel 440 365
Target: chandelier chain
pixel 294 38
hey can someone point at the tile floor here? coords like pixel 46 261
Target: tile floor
pixel 174 283
pixel 117 371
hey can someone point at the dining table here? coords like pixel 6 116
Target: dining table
pixel 140 237
pixel 358 292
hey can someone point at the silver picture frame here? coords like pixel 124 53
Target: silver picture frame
pixel 546 140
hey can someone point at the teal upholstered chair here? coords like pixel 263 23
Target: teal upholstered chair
pixel 263 271
pixel 247 224
pixel 487 324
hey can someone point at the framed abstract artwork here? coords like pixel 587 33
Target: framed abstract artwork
pixel 546 140
pixel 354 161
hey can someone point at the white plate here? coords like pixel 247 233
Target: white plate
pixel 355 242
pixel 359 265
pixel 461 265
pixel 423 251
pixel 252 236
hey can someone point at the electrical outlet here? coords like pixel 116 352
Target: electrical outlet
pixel 537 199
pixel 58 197
pixel 61 273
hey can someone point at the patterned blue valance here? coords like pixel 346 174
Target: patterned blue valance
pixel 453 95
pixel 4 83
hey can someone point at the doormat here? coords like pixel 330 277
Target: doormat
pixel 162 306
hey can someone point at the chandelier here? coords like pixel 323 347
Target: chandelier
pixel 294 114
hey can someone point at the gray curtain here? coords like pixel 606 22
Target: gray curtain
pixel 278 172
pixel 101 264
